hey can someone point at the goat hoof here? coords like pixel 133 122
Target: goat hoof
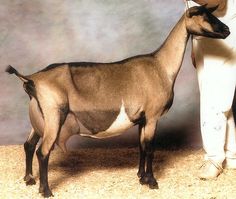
pixel 150 180
pixel 153 184
pixel 29 180
pixel 46 192
pixel 143 180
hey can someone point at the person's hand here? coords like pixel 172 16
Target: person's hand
pixel 210 3
pixel 201 2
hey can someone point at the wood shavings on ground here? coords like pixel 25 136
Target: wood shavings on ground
pixel 111 173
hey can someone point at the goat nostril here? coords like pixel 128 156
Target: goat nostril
pixel 226 33
pixel 226 29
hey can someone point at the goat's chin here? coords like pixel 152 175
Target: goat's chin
pixel 215 35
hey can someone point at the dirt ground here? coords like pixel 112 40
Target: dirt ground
pixel 111 173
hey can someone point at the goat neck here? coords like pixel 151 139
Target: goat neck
pixel 170 55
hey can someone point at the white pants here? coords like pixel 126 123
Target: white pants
pixel 216 69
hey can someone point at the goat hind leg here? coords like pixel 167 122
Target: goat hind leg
pixel 43 153
pixel 29 148
pixel 54 119
pixel 43 172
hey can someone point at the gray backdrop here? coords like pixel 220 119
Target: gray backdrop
pixel 36 33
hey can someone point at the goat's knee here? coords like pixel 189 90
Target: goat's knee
pixel 47 146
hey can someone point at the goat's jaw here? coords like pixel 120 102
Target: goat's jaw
pixel 217 35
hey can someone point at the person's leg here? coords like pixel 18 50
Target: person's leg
pixel 230 146
pixel 218 128
pixel 213 121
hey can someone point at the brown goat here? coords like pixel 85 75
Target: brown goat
pixel 104 99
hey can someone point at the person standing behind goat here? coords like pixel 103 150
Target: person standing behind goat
pixel 215 62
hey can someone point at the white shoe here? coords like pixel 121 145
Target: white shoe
pixel 230 163
pixel 210 170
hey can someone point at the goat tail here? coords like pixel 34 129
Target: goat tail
pixel 12 70
pixel 28 85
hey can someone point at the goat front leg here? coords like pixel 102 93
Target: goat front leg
pixel 147 145
pixel 29 147
pixel 142 155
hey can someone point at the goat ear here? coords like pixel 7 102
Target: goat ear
pixel 188 14
pixel 212 9
pixel 191 12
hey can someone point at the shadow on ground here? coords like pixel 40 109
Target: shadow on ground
pixel 79 163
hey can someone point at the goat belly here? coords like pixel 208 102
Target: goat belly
pixel 97 120
pixel 104 124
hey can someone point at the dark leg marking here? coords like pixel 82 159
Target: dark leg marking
pixel 146 155
pixel 148 177
pixel 29 148
pixel 43 171
pixel 142 156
